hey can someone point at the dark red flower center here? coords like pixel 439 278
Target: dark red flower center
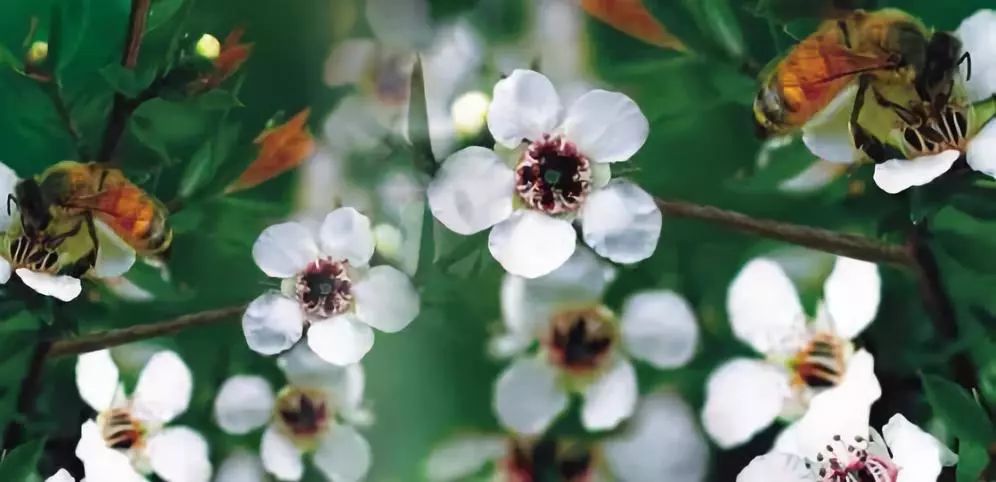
pixel 121 430
pixel 324 288
pixel 553 176
pixel 303 413
pixel 581 339
pixel 548 460
pixel 845 462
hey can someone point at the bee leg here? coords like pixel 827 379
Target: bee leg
pixel 54 241
pixel 842 25
pixel 863 140
pixel 904 113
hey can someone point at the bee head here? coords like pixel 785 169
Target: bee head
pixel 34 211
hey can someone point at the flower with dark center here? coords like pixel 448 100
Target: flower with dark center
pixel 121 430
pixel 821 362
pixel 843 462
pixel 548 460
pixel 581 339
pixel 303 413
pixel 324 288
pixel 553 176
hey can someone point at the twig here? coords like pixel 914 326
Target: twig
pixel 123 107
pixel 112 338
pixel 852 246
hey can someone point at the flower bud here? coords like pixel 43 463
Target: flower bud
pixel 388 240
pixel 469 113
pixel 37 53
pixel 208 47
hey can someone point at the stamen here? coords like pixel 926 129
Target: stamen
pixel 851 463
pixel 324 288
pixel 303 413
pixel 553 176
pixel 580 339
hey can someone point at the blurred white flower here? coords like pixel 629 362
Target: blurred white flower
pixel 933 148
pixel 39 266
pixel 470 113
pixel 905 454
pixel 327 289
pixel 314 414
pixel 584 348
pixel 561 175
pixel 241 466
pixel 61 476
pixel 662 443
pixel 129 437
pixel 802 359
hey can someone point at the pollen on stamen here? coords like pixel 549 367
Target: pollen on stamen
pixel 852 463
pixel 324 289
pixel 553 176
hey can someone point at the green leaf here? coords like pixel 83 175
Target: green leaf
pixel 418 124
pixel 70 20
pixel 128 82
pixel 199 170
pixel 217 100
pixel 972 461
pixel 719 18
pixel 959 411
pixel 142 129
pixel 972 251
pixel 20 465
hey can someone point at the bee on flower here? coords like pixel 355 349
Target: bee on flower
pixel 328 292
pixel 801 358
pixel 550 170
pixel 131 436
pixel 564 340
pixel 661 443
pixel 315 413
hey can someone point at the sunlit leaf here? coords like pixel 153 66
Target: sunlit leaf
pixel 632 17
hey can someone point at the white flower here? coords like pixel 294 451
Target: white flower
pixel 662 443
pixel 44 269
pixel 905 454
pixel 129 437
pixel 561 176
pixel 970 137
pixel 61 476
pixel 327 289
pixel 745 395
pixel 584 349
pixel 315 413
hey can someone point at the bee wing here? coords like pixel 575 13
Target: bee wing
pixel 828 62
pixel 123 207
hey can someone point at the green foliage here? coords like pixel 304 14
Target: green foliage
pixel 20 463
pixel 960 412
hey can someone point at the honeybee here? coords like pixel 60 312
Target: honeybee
pixel 887 46
pixel 76 193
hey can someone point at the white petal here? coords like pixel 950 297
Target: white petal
pixel 763 306
pixel 472 191
pixel 621 222
pixel 272 323
pixel 463 457
pixel 61 476
pixel 897 175
pixel 114 256
pixel 385 299
pixel 280 457
pixel 611 398
pixel 606 126
pixel 828 134
pixel 64 288
pixel 283 250
pixel 100 462
pixel 528 396
pixel 179 454
pixel 842 410
pixel 346 234
pixel 852 293
pixel 8 182
pixel 787 441
pixel 978 36
pixel 343 455
pixel 241 466
pixel 345 384
pixel 776 467
pixel 981 150
pixel 349 61
pixel 918 454
pixel 244 403
pixel 164 388
pixel 532 244
pixel 659 327
pixel 342 340
pixel 97 379
pixel 5 270
pixel 743 396
pixel 661 443
pixel 524 106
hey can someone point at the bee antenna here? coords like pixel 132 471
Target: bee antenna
pixel 966 58
pixel 11 199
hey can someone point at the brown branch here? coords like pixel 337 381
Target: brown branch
pixel 121 336
pixel 123 107
pixel 852 246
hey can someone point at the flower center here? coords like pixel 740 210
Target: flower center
pixel 25 253
pixel 934 134
pixel 324 288
pixel 302 413
pixel 850 463
pixel 121 430
pixel 821 363
pixel 548 460
pixel 553 176
pixel 581 339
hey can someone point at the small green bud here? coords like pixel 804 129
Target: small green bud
pixel 208 47
pixel 469 113
pixel 37 53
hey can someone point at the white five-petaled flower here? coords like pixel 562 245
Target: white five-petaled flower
pixel 802 359
pixel 663 443
pixel 557 173
pixel 315 413
pixel 853 451
pixel 129 436
pixel 327 288
pixel 583 347
pixel 38 266
pixel 967 134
